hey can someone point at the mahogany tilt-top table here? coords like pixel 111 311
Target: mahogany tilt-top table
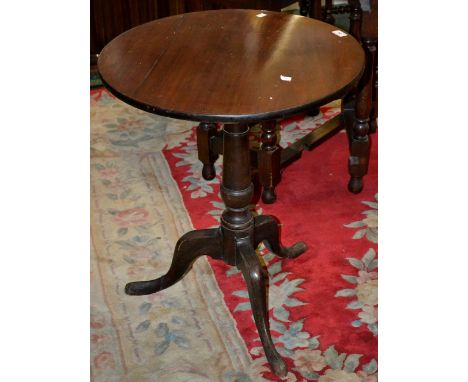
pixel 234 67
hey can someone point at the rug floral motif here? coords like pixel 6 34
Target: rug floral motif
pixel 185 332
pixel 323 305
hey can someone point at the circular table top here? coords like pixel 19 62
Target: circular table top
pixel 231 65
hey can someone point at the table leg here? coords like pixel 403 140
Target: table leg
pixel 242 233
pixel 234 241
pixel 304 7
pixel 256 278
pixel 315 9
pixel 375 92
pixel 355 19
pixel 189 247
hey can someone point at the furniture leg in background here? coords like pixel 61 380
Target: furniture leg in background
pixel 375 101
pixel 269 161
pixel 358 135
pixel 207 154
pixel 304 7
pixel 355 19
pixel 311 8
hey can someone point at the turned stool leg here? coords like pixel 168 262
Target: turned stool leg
pixel 269 162
pixel 238 230
pixel 304 7
pixel 355 19
pixel 375 101
pixel 237 225
pixel 329 12
pixel 206 133
pixel 359 139
pixel 313 112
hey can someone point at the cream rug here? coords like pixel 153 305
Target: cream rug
pixel 184 333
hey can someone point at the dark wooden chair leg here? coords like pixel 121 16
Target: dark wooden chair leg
pixel 206 133
pixel 238 229
pixel 375 102
pixel 304 7
pixel 315 9
pixel 189 247
pixel 355 19
pixel 269 162
pixel 313 112
pixel 328 17
pixel 359 139
pixel 358 159
pixel 266 228
pixel 256 279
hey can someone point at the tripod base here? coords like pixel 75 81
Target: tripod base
pixel 212 242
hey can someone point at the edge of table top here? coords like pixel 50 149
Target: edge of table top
pixel 243 118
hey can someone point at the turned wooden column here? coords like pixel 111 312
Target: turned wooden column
pixel 375 92
pixel 236 189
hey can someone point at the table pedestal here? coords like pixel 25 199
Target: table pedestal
pixel 234 241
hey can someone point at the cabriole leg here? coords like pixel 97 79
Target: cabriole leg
pixel 256 279
pixel 189 247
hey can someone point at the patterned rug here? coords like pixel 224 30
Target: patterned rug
pixel 147 190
